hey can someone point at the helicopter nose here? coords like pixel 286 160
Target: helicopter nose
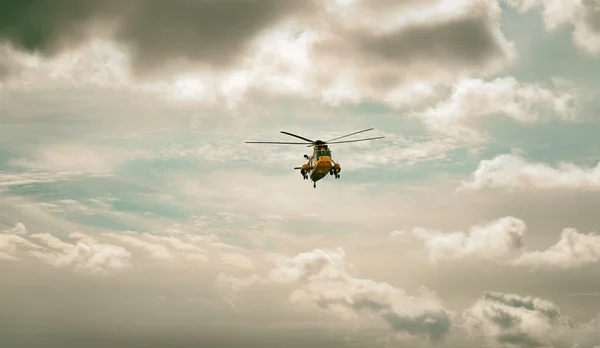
pixel 326 165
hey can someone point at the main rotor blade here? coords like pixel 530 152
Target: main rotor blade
pixel 299 137
pixel 347 135
pixel 352 141
pixel 273 142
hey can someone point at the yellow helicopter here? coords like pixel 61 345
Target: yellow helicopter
pixel 321 162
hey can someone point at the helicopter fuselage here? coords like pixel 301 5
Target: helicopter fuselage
pixel 322 167
pixel 320 164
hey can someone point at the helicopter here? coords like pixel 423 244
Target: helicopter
pixel 320 163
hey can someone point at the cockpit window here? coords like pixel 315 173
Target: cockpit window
pixel 323 153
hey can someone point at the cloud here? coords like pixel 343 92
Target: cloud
pixel 156 34
pixel 325 279
pixel 513 172
pixel 514 320
pixel 237 259
pixel 115 250
pixel 190 250
pixel 254 193
pixel 397 233
pixel 474 99
pixel 235 283
pixel 7 257
pixel 163 247
pixel 497 239
pixel 573 250
pixel 13 240
pixel 502 240
pixel 8 179
pixel 9 65
pixel 441 58
pixel 72 158
pixel 582 15
pixel 88 255
pixel 18 229
pixel 401 52
pixel 60 162
pixel 398 53
pixel 192 27
pixel 397 151
pixel 85 255
pixel 156 251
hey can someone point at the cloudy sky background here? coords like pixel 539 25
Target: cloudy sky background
pixel 132 213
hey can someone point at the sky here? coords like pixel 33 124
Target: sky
pixel 133 213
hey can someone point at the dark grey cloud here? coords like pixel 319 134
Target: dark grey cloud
pixel 9 66
pixel 460 41
pixel 156 32
pixel 378 5
pixel 213 32
pixel 159 34
pixel 6 67
pixel 324 279
pixel 452 43
pixel 526 321
pixel 48 26
pixel 362 45
pixel 547 309
pixel 591 15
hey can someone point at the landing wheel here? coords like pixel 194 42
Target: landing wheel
pixel 314 184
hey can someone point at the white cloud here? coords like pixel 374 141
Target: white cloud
pixel 196 256
pixel 36 177
pixel 7 257
pixel 393 150
pixel 18 229
pixel 497 239
pixel 235 283
pixel 157 251
pixel 247 192
pixel 573 250
pixel 472 99
pixel 397 233
pixel 104 201
pixel 62 162
pixel 176 243
pixel 237 259
pixel 72 158
pixel 501 240
pixel 272 217
pixel 513 172
pixel 13 240
pixel 85 255
pixel 582 15
pixel 51 241
pixel 170 247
